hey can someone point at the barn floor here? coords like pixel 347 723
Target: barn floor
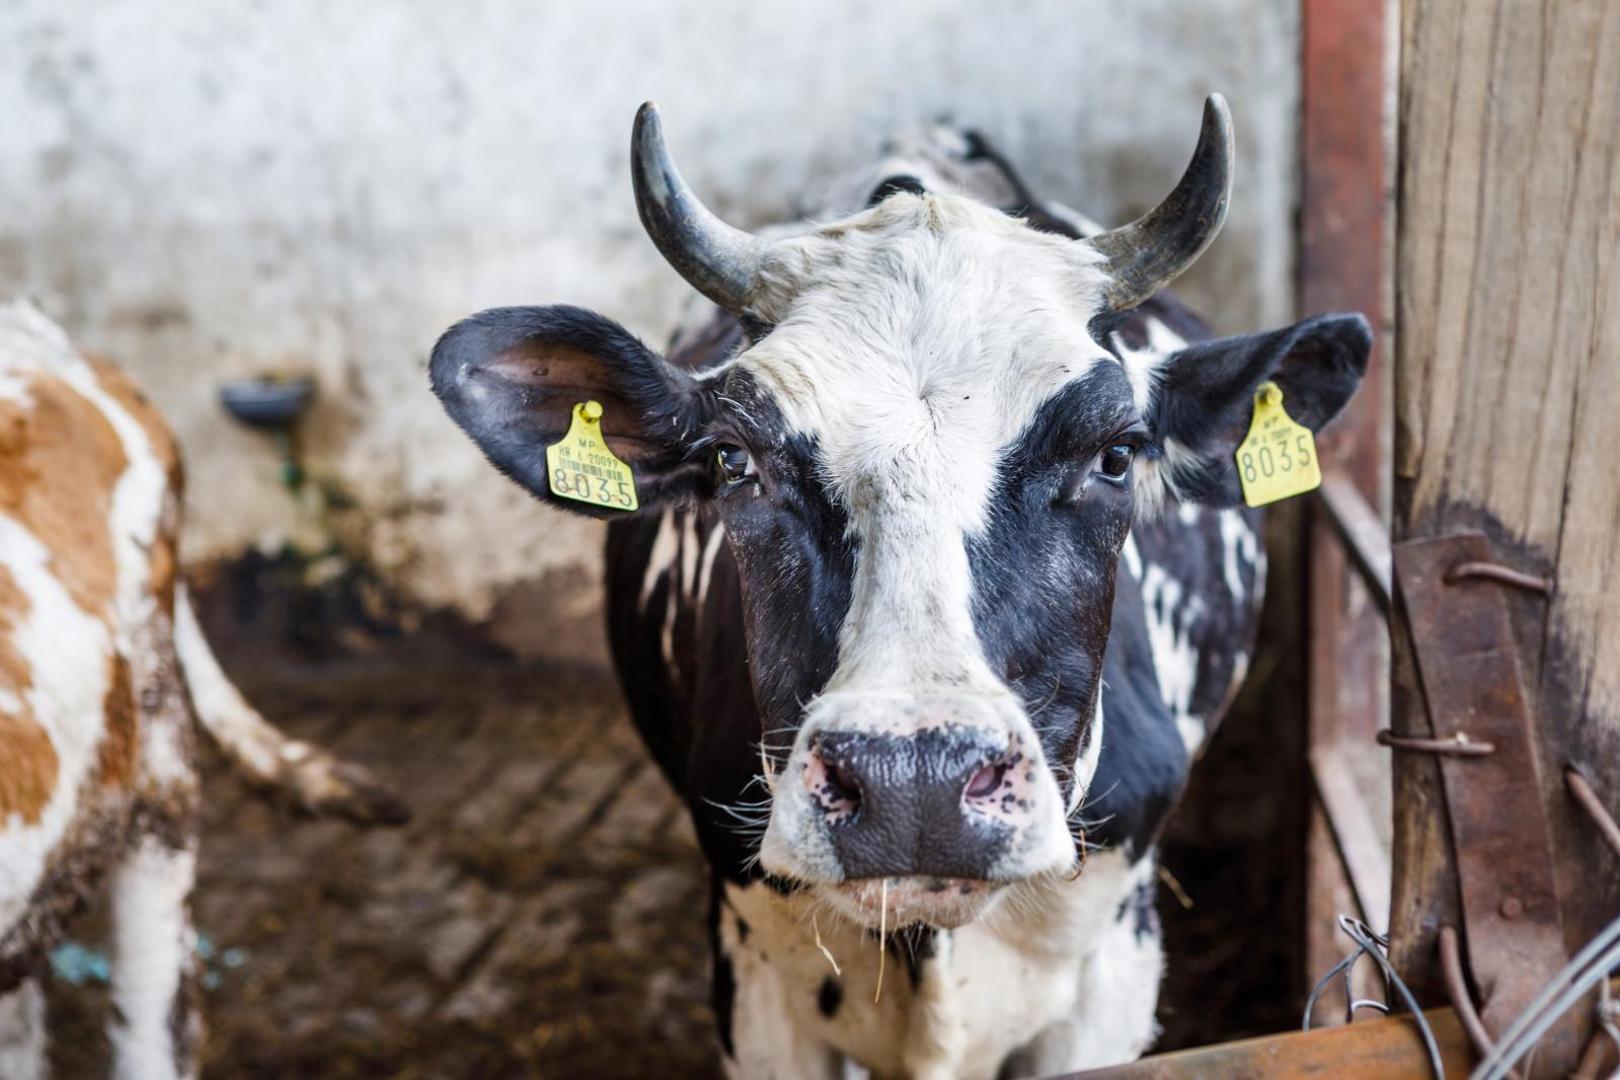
pixel 543 913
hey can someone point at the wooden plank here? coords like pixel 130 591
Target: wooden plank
pixel 1354 835
pixel 1382 1049
pixel 1362 534
pixel 1507 390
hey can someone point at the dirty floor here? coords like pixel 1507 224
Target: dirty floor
pixel 543 913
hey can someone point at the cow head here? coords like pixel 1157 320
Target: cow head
pixel 926 464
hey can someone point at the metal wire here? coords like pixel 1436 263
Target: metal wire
pixel 1591 965
pixel 1370 943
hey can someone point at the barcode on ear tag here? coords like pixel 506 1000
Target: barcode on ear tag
pixel 581 467
pixel 1277 459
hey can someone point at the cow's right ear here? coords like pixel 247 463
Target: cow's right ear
pixel 512 376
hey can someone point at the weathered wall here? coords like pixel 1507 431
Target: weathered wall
pixel 212 192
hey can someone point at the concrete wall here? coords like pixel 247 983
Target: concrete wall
pixel 206 191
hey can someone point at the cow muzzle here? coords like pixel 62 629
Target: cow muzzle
pixel 931 804
pixel 941 803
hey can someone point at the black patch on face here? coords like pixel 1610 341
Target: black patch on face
pixel 743 679
pixel 794 563
pixel 829 997
pixel 893 184
pixel 1043 569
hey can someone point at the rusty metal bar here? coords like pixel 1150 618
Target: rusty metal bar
pixel 1457 745
pixel 1505 575
pixel 1362 533
pixel 1457 988
pixel 1378 1049
pixel 1354 835
pixel 1469 671
pixel 1588 800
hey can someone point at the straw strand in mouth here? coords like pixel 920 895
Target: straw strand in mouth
pixel 883 933
pixel 824 950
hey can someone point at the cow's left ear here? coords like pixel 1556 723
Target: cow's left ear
pixel 1203 398
pixel 512 376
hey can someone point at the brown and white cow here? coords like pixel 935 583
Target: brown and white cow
pixel 103 668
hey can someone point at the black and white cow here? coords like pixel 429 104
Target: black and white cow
pixel 938 583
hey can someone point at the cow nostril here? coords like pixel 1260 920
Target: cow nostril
pixel 843 783
pixel 985 781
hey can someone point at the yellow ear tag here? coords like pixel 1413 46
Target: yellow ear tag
pixel 582 467
pixel 1278 458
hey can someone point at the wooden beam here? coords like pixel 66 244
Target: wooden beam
pixel 1342 267
pixel 1354 834
pixel 1507 390
pixel 1383 1049
pixel 1362 534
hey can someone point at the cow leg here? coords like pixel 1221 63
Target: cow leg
pixel 22 1032
pixel 156 1027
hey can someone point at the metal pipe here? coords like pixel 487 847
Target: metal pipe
pixel 1588 800
pixel 1457 988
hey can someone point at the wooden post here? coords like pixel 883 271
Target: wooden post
pixel 1343 267
pixel 1508 401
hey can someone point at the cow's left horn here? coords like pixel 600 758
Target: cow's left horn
pixel 1150 252
pixel 717 260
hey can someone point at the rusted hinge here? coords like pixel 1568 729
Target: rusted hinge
pixel 1469 667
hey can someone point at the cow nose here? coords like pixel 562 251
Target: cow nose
pixel 938 802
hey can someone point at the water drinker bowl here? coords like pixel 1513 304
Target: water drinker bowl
pixel 270 402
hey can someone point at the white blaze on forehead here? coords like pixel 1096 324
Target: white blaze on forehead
pixel 914 343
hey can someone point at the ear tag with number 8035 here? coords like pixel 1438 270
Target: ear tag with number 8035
pixel 581 466
pixel 1278 457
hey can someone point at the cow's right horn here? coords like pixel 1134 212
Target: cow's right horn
pixel 717 260
pixel 1150 252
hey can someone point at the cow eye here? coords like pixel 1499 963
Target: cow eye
pixel 732 463
pixel 1116 460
